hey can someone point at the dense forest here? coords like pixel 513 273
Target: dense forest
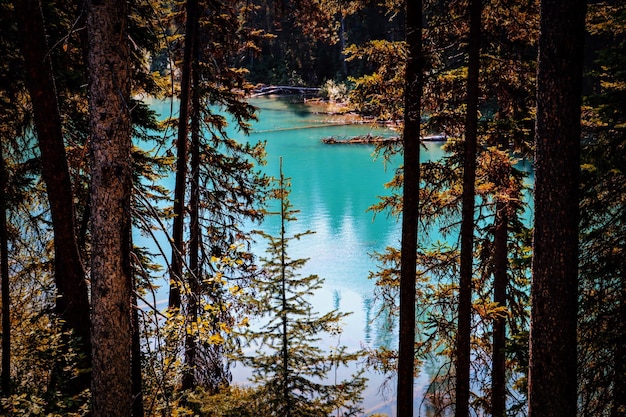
pixel 521 317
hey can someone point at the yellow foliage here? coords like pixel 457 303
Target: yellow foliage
pixel 216 339
pixel 224 327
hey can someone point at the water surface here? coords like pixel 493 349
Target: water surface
pixel 333 186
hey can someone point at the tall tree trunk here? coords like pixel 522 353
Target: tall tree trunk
pixel 501 266
pixel 5 379
pixel 552 369
pixel 136 374
pixel 619 356
pixel 410 208
pixel 111 187
pixel 464 325
pixel 191 346
pixel 342 45
pixel 178 248
pixel 72 303
pixel 500 281
pixel 285 354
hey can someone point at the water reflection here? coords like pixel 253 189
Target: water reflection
pixel 332 187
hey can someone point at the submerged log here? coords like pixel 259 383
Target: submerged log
pixel 374 139
pixel 363 139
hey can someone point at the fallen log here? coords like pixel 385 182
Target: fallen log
pixel 375 139
pixel 284 89
pixel 363 139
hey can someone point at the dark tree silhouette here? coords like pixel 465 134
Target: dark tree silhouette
pixel 176 268
pixel 552 368
pixel 464 323
pixel 72 303
pixel 5 378
pixel 410 208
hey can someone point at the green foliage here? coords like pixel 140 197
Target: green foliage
pixel 300 43
pixel 289 47
pixel 44 358
pixel 601 330
pixel 305 40
pixel 505 134
pixel 380 94
pixel 291 370
pixel 228 191
pixel 233 401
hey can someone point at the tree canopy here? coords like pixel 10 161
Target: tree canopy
pixel 87 167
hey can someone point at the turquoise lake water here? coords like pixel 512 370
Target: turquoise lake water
pixel 332 187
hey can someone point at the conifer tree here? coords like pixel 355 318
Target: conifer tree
pixel 552 389
pixel 602 290
pixel 410 207
pixel 216 189
pixel 464 315
pixel 38 355
pixel 111 188
pixel 178 252
pixel 499 229
pixel 73 302
pixel 7 110
pixel 5 370
pixel 289 364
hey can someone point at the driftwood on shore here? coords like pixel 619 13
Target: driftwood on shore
pixel 373 139
pixel 267 90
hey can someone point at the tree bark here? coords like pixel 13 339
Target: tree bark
pixel 618 408
pixel 464 324
pixel 178 249
pixel 500 281
pixel 552 369
pixel 5 379
pixel 136 355
pixel 410 208
pixel 111 187
pixel 501 266
pixel 284 309
pixel 191 346
pixel 342 45
pixel 72 303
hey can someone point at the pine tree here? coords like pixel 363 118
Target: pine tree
pixel 552 389
pixel 5 375
pixel 73 302
pixel 178 252
pixel 464 316
pixel 410 207
pixel 509 34
pixel 216 190
pixel 111 188
pixel 602 289
pixel 289 365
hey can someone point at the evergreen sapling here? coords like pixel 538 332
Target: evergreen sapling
pixel 296 377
